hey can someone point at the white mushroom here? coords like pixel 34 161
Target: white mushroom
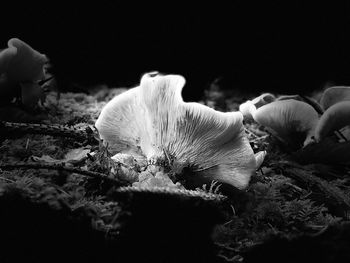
pixel 291 121
pixel 335 117
pixel 152 121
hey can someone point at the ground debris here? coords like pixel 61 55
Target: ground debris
pixel 67 169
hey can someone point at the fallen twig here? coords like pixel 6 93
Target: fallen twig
pixel 184 193
pixel 62 167
pixel 86 134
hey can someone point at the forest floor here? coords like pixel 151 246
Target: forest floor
pixel 291 212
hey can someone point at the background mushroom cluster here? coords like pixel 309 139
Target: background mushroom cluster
pixel 319 128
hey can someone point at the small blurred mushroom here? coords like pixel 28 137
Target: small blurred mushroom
pixel 152 121
pixel 292 121
pixel 21 66
pixel 334 95
pixel 6 56
pixel 27 65
pixel 335 117
pixel 302 98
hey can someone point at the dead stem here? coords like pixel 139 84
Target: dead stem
pixel 86 134
pixel 60 167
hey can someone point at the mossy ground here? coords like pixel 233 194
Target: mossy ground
pixel 276 203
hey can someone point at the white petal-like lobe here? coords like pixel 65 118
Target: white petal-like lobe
pixel 259 157
pixel 119 123
pixel 249 107
pixel 153 120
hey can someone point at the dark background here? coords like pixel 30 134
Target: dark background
pixel 284 46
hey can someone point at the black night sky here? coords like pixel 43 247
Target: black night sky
pixel 283 46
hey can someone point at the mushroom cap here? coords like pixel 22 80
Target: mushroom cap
pixel 306 99
pixel 291 120
pixel 27 64
pixel 20 64
pixel 334 95
pixel 6 56
pixel 153 121
pixel 335 117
